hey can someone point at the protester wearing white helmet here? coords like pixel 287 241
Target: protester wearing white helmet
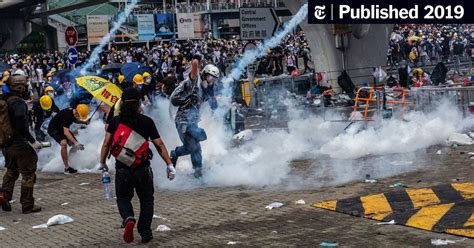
pixel 188 97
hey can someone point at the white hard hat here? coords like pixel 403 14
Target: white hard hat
pixel 20 72
pixel 211 70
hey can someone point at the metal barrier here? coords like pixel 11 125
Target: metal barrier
pixel 462 97
pixel 379 97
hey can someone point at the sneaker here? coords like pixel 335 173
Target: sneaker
pixel 70 170
pixel 128 232
pixel 198 173
pixel 34 209
pixel 174 158
pixel 147 239
pixel 6 206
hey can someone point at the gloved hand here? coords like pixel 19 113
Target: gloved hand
pixel 78 146
pixel 37 146
pixel 103 167
pixel 171 172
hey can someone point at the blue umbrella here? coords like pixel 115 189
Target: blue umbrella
pixel 131 69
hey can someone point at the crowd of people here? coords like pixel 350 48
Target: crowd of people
pixel 425 44
pixel 39 93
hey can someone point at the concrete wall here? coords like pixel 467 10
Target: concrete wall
pixel 368 51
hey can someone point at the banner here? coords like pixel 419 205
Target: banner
pixel 165 24
pixel 146 26
pixel 185 25
pixel 97 27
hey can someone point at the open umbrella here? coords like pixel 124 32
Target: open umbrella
pixel 112 68
pixel 101 89
pixel 131 69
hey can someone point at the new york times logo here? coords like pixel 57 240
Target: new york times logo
pixel 388 11
pixel 319 12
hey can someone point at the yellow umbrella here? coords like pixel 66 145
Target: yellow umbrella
pixel 101 89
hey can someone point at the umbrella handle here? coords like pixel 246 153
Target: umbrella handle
pixel 98 106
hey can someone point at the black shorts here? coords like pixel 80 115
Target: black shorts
pixel 58 136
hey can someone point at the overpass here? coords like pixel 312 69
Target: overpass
pixel 357 51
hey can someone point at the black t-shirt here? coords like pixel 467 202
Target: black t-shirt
pixel 63 119
pixel 170 84
pixel 143 125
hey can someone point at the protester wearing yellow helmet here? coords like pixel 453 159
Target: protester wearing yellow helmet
pixel 42 110
pixel 138 79
pixel 58 129
pixel 46 102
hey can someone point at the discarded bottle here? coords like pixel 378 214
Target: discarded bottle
pixel 106 181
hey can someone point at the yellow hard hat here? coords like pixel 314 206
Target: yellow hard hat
pixel 53 70
pixel 146 74
pixel 6 73
pixel 82 111
pixel 48 89
pixel 28 58
pixel 138 79
pixel 103 66
pixel 121 78
pixel 60 64
pixel 46 102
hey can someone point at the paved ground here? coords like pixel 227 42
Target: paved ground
pixel 215 216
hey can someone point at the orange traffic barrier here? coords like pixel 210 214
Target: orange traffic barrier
pixel 373 99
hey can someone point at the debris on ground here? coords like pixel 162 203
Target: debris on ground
pixel 82 184
pixel 59 219
pixel 231 243
pixel 64 204
pixel 12 201
pixel 397 184
pixel 438 152
pixel 460 139
pixel 274 232
pixel 325 244
pixel 274 205
pixel 370 181
pixel 243 213
pixel 300 202
pixel 445 241
pixel 159 217
pixel 392 222
pixel 163 228
pixel 2 228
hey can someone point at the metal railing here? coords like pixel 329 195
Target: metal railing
pixel 461 96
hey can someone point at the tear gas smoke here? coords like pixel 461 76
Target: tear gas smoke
pixel 115 26
pixel 251 56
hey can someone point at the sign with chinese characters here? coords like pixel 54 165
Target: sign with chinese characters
pixel 101 89
pixel 97 27
pixel 257 23
pixel 146 26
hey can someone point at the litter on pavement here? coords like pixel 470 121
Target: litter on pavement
pixel 163 228
pixel 274 205
pixel 324 244
pixel 392 222
pixel 59 219
pixel 300 202
pixel 231 243
pixel 445 241
pixel 2 228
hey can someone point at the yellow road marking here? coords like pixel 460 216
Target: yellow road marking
pixel 427 217
pixel 375 204
pixel 466 189
pixel 422 197
pixel 462 232
pixel 470 221
pixel 329 205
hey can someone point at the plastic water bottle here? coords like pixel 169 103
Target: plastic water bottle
pixel 106 181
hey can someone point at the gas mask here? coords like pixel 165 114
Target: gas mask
pixel 51 94
pixel 209 81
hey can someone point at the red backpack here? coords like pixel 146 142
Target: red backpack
pixel 129 147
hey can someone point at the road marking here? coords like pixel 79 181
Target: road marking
pixel 422 197
pixel 427 217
